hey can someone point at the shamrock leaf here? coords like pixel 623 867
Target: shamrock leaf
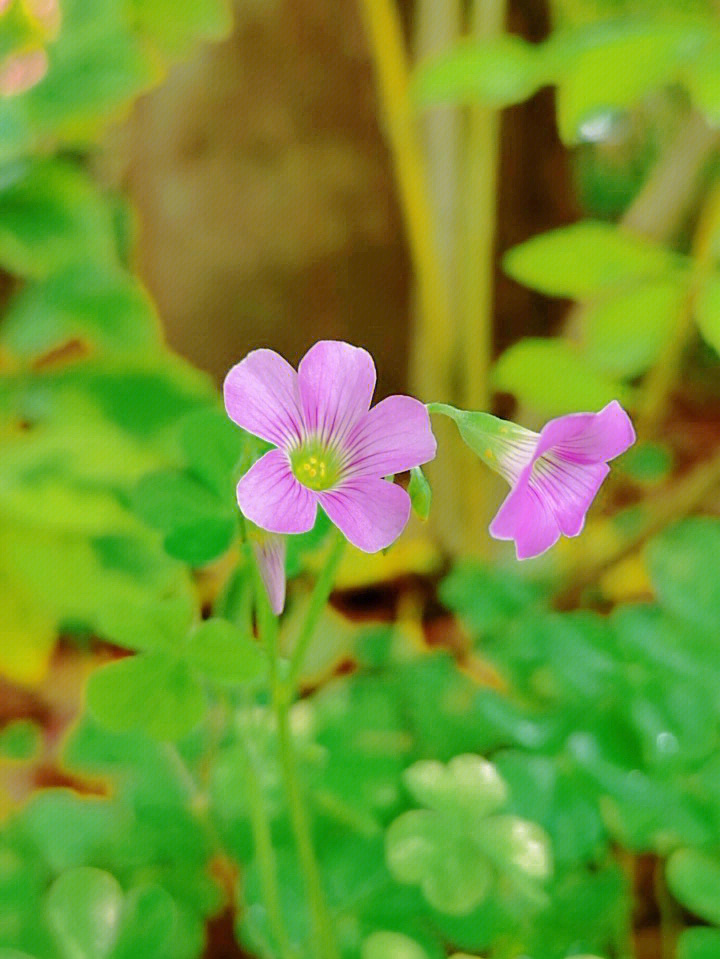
pixel 457 847
pixel 160 691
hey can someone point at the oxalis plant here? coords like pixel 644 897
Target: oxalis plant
pixel 333 451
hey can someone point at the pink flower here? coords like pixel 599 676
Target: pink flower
pixel 555 474
pixel 331 448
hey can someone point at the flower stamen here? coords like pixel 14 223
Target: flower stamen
pixel 316 466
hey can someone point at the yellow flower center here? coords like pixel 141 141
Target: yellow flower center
pixel 316 466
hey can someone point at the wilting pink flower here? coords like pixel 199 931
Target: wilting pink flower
pixel 555 475
pixel 331 448
pixel 269 550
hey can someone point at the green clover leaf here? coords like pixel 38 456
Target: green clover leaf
pixel 458 846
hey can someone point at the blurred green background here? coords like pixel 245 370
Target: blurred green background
pixel 516 208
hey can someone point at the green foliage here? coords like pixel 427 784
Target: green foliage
pixel 694 879
pixel 700 943
pixel 83 910
pixel 391 945
pixel 677 561
pixel 582 64
pixel 437 803
pixel 587 258
pixel 20 740
pixel 420 493
pixel 92 919
pixel 567 383
pixel 500 72
pixel 122 45
pixel 160 690
pixel 456 846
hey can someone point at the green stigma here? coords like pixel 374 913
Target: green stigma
pixel 316 466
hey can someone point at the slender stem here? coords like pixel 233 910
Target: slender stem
pixel 663 375
pixel 199 807
pixel 262 839
pixel 670 917
pixel 320 594
pixel 323 939
pixel 433 337
pixel 320 919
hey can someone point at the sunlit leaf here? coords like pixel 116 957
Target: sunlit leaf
pixel 102 307
pixel 553 378
pixel 694 879
pixel 221 652
pixel 583 259
pixel 496 72
pixel 152 692
pixel 391 945
pixel 84 908
pixel 591 85
pixel 175 25
pixel 625 333
pixel 707 312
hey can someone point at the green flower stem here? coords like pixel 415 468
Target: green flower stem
pixel 325 947
pixel 262 841
pixel 671 922
pixel 200 808
pixel 480 172
pixel 282 695
pixel 320 595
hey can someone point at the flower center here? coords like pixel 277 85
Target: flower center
pixel 316 466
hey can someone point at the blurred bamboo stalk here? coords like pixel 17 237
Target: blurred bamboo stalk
pixel 433 339
pixel 479 194
pixel 434 319
pixel 663 375
pixel 481 158
pixel 660 206
pixel 453 334
pixel 437 25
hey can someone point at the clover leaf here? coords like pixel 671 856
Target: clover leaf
pixel 458 846
pixel 160 690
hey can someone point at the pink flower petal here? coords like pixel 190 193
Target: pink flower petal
pixel 370 512
pixel 568 489
pixel 269 554
pixel 394 436
pixel 589 437
pixel 336 383
pixel 271 497
pixel 261 395
pixel 526 517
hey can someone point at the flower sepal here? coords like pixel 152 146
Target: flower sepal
pixel 502 445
